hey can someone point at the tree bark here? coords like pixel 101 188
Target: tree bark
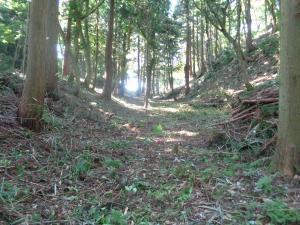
pixel 287 158
pixel 32 101
pixel 51 46
pixel 249 41
pixel 66 69
pixel 139 67
pixel 108 54
pixel 85 38
pixel 187 67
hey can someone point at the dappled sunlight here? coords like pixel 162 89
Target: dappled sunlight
pixel 128 104
pixel 261 80
pixel 185 133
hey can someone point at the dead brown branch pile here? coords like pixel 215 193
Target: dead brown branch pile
pixel 247 114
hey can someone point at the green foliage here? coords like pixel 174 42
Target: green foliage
pixel 269 46
pixel 280 214
pixel 8 192
pixel 158 129
pixel 185 194
pixel 115 218
pixel 118 144
pixel 224 58
pixel 265 184
pixel 50 119
pixel 112 163
pixel 82 166
pixel 137 186
pixel 163 193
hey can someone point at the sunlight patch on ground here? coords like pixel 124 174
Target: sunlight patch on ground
pixel 186 133
pixel 127 104
pixel 261 80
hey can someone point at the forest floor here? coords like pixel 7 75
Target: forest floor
pixel 115 163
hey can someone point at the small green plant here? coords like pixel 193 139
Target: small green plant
pixel 112 163
pixel 265 184
pixel 118 144
pixel 280 214
pixel 8 192
pixel 158 129
pixel 185 194
pixel 82 166
pixel 163 193
pixel 50 119
pixel 115 217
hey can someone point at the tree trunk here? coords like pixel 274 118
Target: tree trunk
pixel 123 65
pixel 202 30
pixel 108 54
pixel 187 67
pixel 249 41
pixel 194 49
pixel 66 69
pixel 51 47
pixel 272 9
pixel 139 67
pixel 97 51
pixel 288 154
pixel 149 70
pixel 25 49
pixel 85 38
pixel 32 101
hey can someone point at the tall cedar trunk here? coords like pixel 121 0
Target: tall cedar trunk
pixel 108 54
pixel 123 65
pixel 241 56
pixel 203 66
pixel 139 67
pixel 194 48
pixel 149 68
pixel 97 51
pixel 288 155
pixel 249 41
pixel 32 101
pixel 66 68
pixel 51 47
pixel 187 67
pixel 197 45
pixel 73 59
pixel 85 37
pixel 25 48
pixel 208 44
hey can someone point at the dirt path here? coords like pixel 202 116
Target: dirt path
pixel 115 163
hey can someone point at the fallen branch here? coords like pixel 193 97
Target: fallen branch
pixel 260 101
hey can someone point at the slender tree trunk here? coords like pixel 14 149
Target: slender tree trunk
pixel 194 48
pixel 97 51
pixel 32 101
pixel 25 49
pixel 271 5
pixel 123 64
pixel 249 41
pixel 287 158
pixel 187 67
pixel 51 47
pixel 85 38
pixel 202 30
pixel 108 54
pixel 66 69
pixel 139 67
pixel 197 46
pixel 149 70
